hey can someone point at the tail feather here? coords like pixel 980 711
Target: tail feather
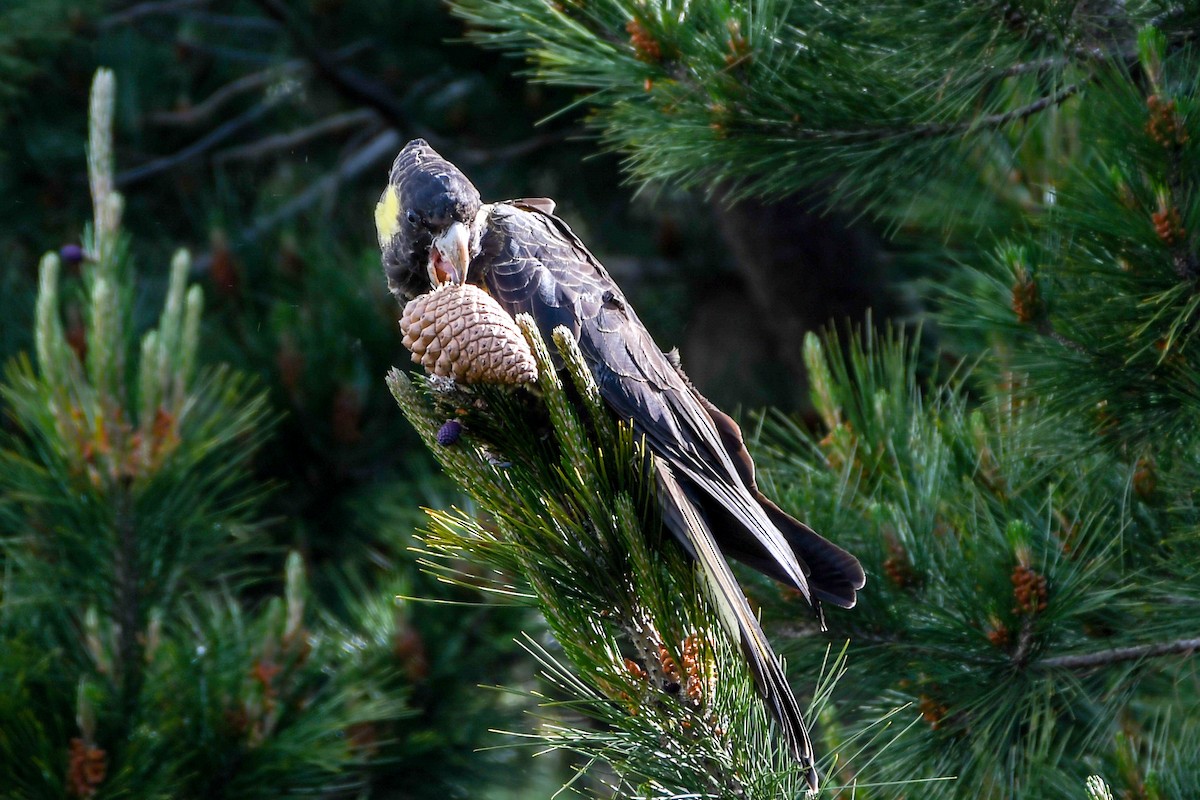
pixel 686 522
pixel 834 576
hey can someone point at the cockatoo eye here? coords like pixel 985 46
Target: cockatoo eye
pixel 411 216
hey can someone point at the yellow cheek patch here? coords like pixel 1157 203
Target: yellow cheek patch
pixel 387 216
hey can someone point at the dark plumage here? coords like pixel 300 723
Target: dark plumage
pixel 430 217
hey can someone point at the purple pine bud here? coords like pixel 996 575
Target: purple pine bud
pixel 71 254
pixel 448 434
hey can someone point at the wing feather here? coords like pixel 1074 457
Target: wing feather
pixel 532 262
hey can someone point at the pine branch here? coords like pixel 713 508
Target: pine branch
pixel 127 601
pixel 1117 655
pixel 724 96
pixel 933 130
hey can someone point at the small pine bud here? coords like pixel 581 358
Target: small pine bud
pixel 87 766
pixel 693 668
pixel 49 341
pixel 170 330
pixel 739 48
pixel 94 640
pixel 932 711
pixel 1168 224
pixel 189 344
pixel 409 649
pixel 1019 535
pixel 1152 47
pixel 645 46
pixel 104 342
pixel 1029 591
pixel 449 433
pixel 897 566
pixel 997 632
pixel 670 670
pixel 85 710
pixel 106 203
pixel 635 669
pixel 149 389
pixel 1145 478
pixel 1025 301
pixel 1164 125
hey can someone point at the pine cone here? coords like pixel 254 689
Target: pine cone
pixel 460 332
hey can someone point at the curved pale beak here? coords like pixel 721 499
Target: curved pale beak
pixel 450 255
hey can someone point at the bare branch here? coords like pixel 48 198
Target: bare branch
pixel 1044 328
pixel 516 149
pixel 1092 54
pixel 1024 642
pixel 197 148
pixel 1119 654
pixel 349 83
pixel 211 104
pixel 249 54
pixel 134 13
pixel 233 21
pixel 932 130
pixel 247 83
pixel 296 138
pixel 380 148
pixel 1017 114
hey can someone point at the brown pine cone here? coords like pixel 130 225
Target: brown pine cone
pixel 460 332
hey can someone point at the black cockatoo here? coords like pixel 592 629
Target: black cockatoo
pixel 433 228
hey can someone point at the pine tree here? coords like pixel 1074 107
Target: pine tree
pixel 134 661
pixel 1027 520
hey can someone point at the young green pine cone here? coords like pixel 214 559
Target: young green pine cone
pixel 460 332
